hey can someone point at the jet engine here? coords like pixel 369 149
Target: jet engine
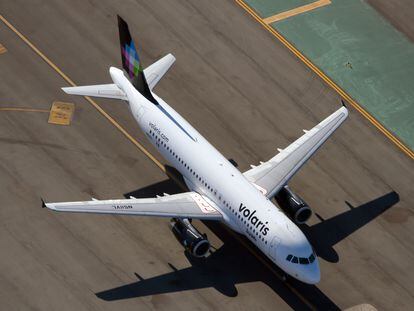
pixel 293 205
pixel 194 242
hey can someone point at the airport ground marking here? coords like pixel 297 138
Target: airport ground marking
pixel 148 154
pixel 23 109
pixel 296 11
pixel 327 80
pixel 61 113
pixel 2 49
pixel 91 101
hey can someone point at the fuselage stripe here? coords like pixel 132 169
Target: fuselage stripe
pixel 175 121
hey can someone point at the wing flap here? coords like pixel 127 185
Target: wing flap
pixel 183 205
pixel 270 176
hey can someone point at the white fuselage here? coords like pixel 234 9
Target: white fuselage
pixel 245 209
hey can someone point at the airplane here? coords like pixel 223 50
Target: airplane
pixel 218 191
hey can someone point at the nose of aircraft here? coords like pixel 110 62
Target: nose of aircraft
pixel 307 273
pixel 294 254
pixel 311 273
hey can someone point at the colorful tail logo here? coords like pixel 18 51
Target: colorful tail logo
pixel 131 60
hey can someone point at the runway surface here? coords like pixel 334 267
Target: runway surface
pixel 248 95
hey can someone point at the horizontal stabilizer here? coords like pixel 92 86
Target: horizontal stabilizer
pixel 157 70
pixel 99 90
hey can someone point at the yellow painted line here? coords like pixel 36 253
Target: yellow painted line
pixel 2 49
pixel 91 101
pixel 296 11
pixel 325 78
pixel 61 113
pixel 23 109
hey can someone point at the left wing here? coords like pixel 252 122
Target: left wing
pixel 182 205
pixel 272 175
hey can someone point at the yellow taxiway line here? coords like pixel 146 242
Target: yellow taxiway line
pixel 91 101
pixel 147 153
pixel 325 78
pixel 23 109
pixel 2 49
pixel 296 11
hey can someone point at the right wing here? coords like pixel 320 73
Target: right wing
pixel 272 175
pixel 182 205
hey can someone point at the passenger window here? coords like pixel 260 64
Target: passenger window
pixel 295 259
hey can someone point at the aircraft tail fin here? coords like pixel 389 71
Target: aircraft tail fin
pixel 131 62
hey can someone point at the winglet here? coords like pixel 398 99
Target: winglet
pixel 43 203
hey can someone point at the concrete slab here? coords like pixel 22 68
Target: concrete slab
pixel 363 54
pixel 398 13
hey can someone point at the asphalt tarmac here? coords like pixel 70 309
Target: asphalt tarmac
pixel 248 95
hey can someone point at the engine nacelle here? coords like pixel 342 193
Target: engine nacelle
pixel 293 205
pixel 193 241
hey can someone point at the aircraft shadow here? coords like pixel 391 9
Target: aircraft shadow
pixel 233 264
pixel 324 235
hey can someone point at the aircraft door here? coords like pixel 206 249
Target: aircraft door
pixel 272 247
pixel 140 112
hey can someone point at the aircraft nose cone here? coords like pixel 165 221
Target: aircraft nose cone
pixel 313 276
pixel 311 273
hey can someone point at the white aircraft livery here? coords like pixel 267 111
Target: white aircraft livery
pixel 217 190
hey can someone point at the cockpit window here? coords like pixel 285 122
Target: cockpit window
pixel 311 258
pixel 301 260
